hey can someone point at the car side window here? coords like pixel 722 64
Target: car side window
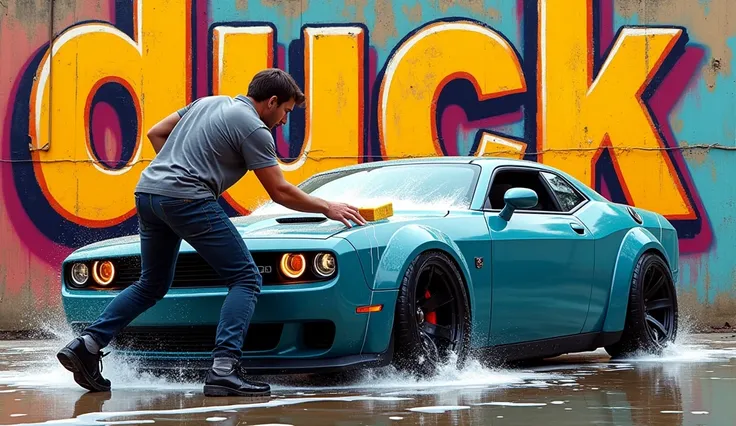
pixel 566 194
pixel 506 179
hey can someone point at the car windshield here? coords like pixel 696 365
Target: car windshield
pixel 414 186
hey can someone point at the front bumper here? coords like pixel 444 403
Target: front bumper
pixel 295 328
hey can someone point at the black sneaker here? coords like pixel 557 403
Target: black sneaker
pixel 232 384
pixel 85 365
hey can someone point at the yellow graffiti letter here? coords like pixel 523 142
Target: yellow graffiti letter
pixel 423 65
pixel 334 74
pixel 578 110
pixel 152 66
pixel 232 73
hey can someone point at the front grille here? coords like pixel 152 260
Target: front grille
pixel 260 337
pixel 193 271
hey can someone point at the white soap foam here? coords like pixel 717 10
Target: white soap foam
pixel 439 408
pixel 273 424
pixel 513 404
pixel 101 417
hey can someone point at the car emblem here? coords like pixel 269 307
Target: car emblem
pixel 264 269
pixel 478 262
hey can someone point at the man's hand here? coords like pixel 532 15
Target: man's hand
pixel 344 212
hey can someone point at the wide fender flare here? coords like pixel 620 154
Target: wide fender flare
pixel 634 244
pixel 405 245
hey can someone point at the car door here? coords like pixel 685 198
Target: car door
pixel 541 260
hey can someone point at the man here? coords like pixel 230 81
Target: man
pixel 202 150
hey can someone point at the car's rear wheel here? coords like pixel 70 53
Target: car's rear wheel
pixel 651 317
pixel 432 323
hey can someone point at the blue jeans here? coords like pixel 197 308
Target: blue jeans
pixel 164 222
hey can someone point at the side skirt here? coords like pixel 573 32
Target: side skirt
pixel 546 348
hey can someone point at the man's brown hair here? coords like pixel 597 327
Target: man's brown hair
pixel 275 82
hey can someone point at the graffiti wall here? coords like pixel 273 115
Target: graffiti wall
pixel 634 97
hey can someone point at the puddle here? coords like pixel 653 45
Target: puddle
pixel 683 386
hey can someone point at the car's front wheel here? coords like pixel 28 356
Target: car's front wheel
pixel 432 322
pixel 651 317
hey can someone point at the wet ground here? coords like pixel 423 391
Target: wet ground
pixel 693 383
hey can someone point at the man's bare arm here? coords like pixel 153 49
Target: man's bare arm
pixel 289 196
pixel 161 130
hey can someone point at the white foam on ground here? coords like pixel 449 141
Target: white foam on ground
pixel 513 404
pixel 438 408
pixel 101 417
pixel 273 424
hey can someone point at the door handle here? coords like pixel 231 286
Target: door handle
pixel 577 228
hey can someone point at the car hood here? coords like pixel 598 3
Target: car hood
pixel 301 226
pixel 311 226
pixel 271 226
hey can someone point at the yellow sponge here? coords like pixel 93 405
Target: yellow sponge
pixel 378 212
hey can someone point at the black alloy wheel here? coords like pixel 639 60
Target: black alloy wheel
pixel 659 304
pixel 652 311
pixel 432 315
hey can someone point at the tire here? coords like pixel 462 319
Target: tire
pixel 652 308
pixel 416 351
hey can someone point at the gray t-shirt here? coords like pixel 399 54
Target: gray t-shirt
pixel 216 141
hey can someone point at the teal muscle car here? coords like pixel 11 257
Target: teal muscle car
pixel 486 257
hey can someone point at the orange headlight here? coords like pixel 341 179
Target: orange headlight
pixel 293 265
pixel 103 272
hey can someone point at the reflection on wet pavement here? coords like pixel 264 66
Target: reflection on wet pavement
pixel 693 383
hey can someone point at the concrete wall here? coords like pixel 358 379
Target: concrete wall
pixel 634 97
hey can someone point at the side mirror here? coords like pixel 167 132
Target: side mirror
pixel 517 198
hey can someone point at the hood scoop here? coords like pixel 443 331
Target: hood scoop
pixel 301 219
pixel 296 226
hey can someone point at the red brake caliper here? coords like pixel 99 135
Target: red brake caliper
pixel 430 317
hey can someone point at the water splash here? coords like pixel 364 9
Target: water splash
pixel 42 370
pixel 687 348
